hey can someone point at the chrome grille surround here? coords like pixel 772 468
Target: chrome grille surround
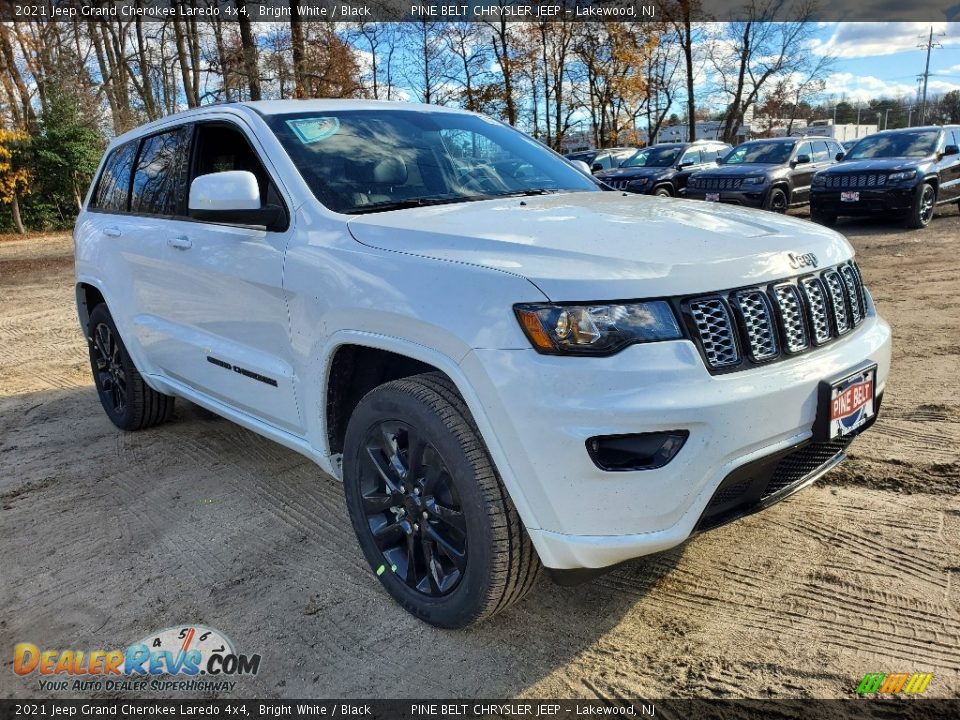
pixel 853 293
pixel 780 319
pixel 758 324
pixel 835 290
pixel 715 331
pixel 791 318
pixel 816 298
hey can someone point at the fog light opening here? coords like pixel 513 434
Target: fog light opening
pixel 642 451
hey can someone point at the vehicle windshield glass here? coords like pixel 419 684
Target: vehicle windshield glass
pixel 774 153
pixel 902 144
pixel 372 160
pixel 653 157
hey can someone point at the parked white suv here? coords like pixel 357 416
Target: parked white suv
pixel 507 365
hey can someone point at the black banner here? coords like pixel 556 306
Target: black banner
pixel 339 11
pixel 668 709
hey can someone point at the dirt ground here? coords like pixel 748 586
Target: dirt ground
pixel 106 537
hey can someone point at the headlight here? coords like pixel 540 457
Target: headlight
pixel 754 180
pixel 901 176
pixel 596 329
pixel 819 180
pixel 639 181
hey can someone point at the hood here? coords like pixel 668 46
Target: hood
pixel 875 164
pixel 635 173
pixel 741 170
pixel 607 245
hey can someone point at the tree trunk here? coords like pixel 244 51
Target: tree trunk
pixel 249 51
pixel 299 51
pixel 29 115
pixel 15 207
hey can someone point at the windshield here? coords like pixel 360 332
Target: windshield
pixel 371 160
pixel 653 157
pixel 902 144
pixel 774 153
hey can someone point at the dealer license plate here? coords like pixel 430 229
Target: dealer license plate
pixel 713 197
pixel 852 402
pixel 850 196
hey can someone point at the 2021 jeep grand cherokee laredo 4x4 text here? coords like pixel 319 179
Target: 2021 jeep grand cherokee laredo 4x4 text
pixel 507 365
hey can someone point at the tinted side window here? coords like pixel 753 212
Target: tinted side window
pixel 803 149
pixel 691 156
pixel 159 186
pixel 113 187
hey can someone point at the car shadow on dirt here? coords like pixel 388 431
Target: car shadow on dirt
pixel 110 536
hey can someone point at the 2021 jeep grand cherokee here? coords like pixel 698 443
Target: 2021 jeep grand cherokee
pixel 508 366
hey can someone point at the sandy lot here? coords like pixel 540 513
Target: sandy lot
pixel 106 536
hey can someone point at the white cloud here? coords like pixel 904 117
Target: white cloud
pixel 857 40
pixel 863 88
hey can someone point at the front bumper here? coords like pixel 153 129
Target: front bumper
pixel 897 201
pixel 747 198
pixel 544 408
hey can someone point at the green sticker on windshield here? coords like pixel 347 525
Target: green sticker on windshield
pixel 311 130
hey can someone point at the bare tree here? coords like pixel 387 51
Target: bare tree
pixel 430 63
pixel 749 54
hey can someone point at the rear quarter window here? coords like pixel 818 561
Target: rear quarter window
pixel 113 187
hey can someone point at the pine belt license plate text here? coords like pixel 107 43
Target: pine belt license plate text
pixel 713 197
pixel 852 402
pixel 850 196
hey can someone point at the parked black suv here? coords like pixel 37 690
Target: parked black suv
pixel 772 174
pixel 663 169
pixel 902 173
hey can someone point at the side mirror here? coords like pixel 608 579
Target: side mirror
pixel 683 165
pixel 803 159
pixel 951 150
pixel 597 167
pixel 231 197
pixel 581 166
pixel 839 157
pixel 719 161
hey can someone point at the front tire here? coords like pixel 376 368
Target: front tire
pixel 923 206
pixel 430 513
pixel 129 402
pixel 776 200
pixel 663 191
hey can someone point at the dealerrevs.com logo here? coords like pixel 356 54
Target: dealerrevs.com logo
pixel 189 658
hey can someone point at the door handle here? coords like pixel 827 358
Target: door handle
pixel 112 232
pixel 180 243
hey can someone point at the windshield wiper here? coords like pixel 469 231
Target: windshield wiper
pixel 414 203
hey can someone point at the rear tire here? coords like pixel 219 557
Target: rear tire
pixel 129 402
pixel 431 516
pixel 923 207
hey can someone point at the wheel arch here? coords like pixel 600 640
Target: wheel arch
pixel 88 297
pixel 427 360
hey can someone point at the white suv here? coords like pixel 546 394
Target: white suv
pixel 508 365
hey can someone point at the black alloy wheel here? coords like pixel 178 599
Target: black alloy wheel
pixel 923 207
pixel 429 510
pixel 111 377
pixel 777 201
pixel 412 509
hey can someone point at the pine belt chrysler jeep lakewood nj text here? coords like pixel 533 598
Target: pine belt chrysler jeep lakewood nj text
pixel 508 366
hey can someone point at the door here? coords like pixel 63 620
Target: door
pixel 801 173
pixel 226 317
pixel 949 167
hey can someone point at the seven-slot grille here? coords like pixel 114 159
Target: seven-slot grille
pixel 712 183
pixel 759 324
pixel 863 180
pixel 618 184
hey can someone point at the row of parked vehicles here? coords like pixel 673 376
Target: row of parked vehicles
pixel 901 173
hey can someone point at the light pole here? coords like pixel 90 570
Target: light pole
pixel 886 119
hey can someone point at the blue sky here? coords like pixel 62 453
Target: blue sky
pixel 882 59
